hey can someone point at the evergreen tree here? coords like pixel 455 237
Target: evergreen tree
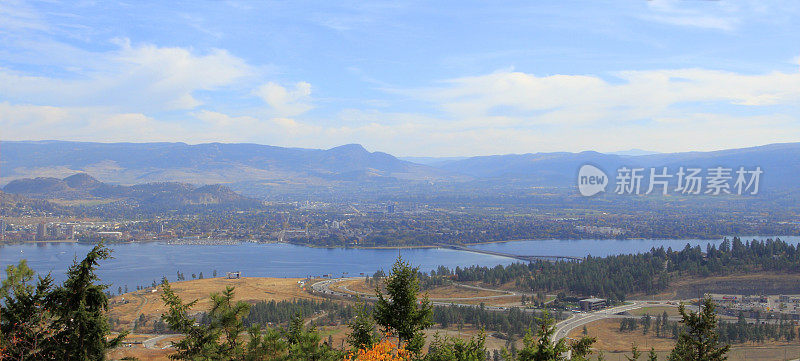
pixel 362 329
pixel 699 340
pixel 454 349
pixel 635 354
pixel 67 322
pixel 219 339
pixel 79 309
pixel 304 343
pixel 24 325
pixel 544 348
pixel 399 311
pixel 652 356
pixel 222 335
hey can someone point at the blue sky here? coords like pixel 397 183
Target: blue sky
pixel 410 78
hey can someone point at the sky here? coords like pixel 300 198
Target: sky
pixel 409 78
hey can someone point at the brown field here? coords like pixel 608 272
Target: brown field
pixel 655 311
pixel 454 291
pixel 767 283
pixel 247 289
pixel 495 301
pixel 616 344
pixel 610 339
pixel 444 292
pixel 140 353
pixel 756 353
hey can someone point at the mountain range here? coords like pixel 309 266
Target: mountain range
pixel 278 167
pixel 134 163
pixel 81 186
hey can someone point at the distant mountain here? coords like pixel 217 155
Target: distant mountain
pixel 780 163
pixel 14 205
pixel 134 163
pixel 83 186
pixel 268 170
pixel 434 161
pixel 634 152
pixel 541 169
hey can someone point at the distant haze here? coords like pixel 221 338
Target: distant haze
pixel 253 168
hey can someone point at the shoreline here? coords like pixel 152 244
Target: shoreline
pixel 232 242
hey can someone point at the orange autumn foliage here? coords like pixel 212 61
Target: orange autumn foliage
pixel 383 351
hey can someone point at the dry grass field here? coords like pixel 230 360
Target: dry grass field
pixel 765 353
pixel 247 289
pixel 443 292
pixel 754 283
pixel 617 344
pixel 655 311
pixel 610 339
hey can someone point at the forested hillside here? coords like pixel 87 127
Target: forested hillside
pixel 616 277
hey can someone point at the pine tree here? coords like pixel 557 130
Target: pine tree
pixel 24 325
pixel 221 335
pixel 544 348
pixel 219 339
pixel 79 309
pixel 699 341
pixel 399 311
pixel 362 329
pixel 304 343
pixel 652 356
pixel 635 354
pixel 454 349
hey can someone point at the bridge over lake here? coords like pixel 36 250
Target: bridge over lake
pixel 528 258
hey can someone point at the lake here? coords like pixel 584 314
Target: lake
pixel 142 263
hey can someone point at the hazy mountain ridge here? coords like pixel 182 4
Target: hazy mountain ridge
pixel 780 163
pixel 83 186
pixel 134 163
pixel 260 169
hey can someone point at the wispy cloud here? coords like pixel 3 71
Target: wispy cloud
pixel 700 14
pixel 18 16
pixel 139 78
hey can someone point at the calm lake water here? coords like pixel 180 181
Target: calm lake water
pixel 142 263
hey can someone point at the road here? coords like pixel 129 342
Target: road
pixel 324 288
pixel 150 343
pixel 562 328
pixel 579 319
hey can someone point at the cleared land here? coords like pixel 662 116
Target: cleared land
pixel 755 283
pixel 771 353
pixel 356 286
pixel 127 307
pixel 655 311
pixel 616 344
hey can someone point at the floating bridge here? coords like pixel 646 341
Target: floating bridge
pixel 528 258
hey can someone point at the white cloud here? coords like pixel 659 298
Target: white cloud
pixel 286 102
pixel 577 99
pixel 25 121
pixel 143 78
pixel 701 14
pixel 501 112
pixel 18 16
